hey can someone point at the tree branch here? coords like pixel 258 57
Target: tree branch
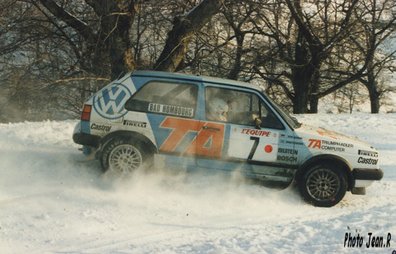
pixel 80 26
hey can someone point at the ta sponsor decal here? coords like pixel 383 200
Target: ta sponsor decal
pixel 368 153
pixel 208 137
pixel 369 161
pixel 328 145
pixel 100 127
pixel 171 110
pixel 135 123
pixel 367 241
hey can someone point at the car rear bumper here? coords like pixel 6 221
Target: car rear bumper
pixel 86 139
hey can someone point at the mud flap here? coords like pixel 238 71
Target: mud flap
pixel 359 191
pixel 88 154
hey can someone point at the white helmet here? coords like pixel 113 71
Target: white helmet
pixel 218 109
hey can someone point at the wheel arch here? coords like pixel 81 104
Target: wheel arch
pixel 327 158
pixel 129 135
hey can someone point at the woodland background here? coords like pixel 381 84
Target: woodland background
pixel 55 53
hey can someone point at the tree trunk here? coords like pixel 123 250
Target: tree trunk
pixel 183 28
pixel 110 45
pixel 236 68
pixel 114 38
pixel 373 92
pixel 314 98
pixel 374 103
pixel 313 104
pixel 308 70
pixel 301 76
pixel 300 102
pixel 121 57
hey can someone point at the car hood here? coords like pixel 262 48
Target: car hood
pixel 308 131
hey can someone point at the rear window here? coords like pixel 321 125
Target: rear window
pixel 165 98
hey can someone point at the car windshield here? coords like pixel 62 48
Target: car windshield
pixel 291 120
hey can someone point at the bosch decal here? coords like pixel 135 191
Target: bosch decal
pixel 109 102
pixel 287 155
pixel 285 158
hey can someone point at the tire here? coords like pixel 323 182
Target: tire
pixel 323 185
pixel 123 156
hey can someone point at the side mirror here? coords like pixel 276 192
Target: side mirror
pixel 257 122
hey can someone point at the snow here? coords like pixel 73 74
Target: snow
pixel 51 201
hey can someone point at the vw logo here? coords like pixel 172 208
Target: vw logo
pixel 109 103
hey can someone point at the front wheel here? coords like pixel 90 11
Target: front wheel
pixel 323 185
pixel 122 156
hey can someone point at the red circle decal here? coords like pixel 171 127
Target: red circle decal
pixel 268 148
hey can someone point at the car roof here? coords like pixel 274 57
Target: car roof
pixel 190 77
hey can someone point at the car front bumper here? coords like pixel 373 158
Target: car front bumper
pixel 365 176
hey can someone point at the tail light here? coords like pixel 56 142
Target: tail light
pixel 86 113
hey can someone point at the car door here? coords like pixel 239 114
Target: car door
pixel 170 108
pixel 253 134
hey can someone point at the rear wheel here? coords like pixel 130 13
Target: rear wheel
pixel 323 185
pixel 123 156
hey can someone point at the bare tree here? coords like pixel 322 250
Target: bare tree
pixel 300 51
pixel 108 42
pixel 379 23
pixel 183 29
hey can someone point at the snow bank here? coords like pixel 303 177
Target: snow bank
pixel 51 201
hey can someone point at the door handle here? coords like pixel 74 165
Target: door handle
pixel 210 128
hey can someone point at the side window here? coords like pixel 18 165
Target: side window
pixel 268 118
pixel 165 98
pixel 238 107
pixel 232 106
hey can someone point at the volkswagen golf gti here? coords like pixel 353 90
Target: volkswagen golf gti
pixel 219 125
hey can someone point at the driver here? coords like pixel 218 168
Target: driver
pixel 218 110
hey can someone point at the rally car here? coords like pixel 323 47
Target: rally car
pixel 217 124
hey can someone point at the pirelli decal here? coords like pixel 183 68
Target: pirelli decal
pixel 134 124
pixel 368 153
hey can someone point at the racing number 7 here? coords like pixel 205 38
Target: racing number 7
pixel 254 147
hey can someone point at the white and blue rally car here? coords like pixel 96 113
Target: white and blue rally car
pixel 218 124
